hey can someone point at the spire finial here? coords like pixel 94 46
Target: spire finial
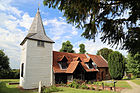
pixel 38 5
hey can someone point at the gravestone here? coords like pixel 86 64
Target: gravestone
pixel 39 88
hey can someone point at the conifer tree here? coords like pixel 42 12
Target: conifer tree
pixel 116 63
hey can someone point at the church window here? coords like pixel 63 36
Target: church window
pixel 40 43
pixel 22 69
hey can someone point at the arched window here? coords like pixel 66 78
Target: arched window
pixel 22 69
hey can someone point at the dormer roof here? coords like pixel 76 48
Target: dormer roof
pixel 73 57
pixel 36 31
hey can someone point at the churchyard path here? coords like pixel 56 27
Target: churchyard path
pixel 135 88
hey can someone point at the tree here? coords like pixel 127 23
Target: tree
pixel 105 17
pixel 133 64
pixel 82 49
pixel 4 64
pixel 67 47
pixel 116 63
pixel 104 52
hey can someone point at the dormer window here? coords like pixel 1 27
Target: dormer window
pixel 79 59
pixel 89 65
pixel 94 65
pixel 63 63
pixel 40 43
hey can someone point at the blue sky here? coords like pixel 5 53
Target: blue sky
pixel 16 17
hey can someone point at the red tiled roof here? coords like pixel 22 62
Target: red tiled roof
pixel 72 66
pixel 86 68
pixel 72 61
pixel 61 58
pixel 100 62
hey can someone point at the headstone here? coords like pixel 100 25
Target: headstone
pixel 39 88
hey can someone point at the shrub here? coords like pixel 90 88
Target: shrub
pixel 89 82
pixel 83 86
pixel 74 84
pixel 92 88
pixel 46 90
pixel 51 89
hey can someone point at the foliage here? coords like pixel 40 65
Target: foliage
pixel 116 63
pixel 78 84
pixel 51 89
pixel 74 84
pixel 10 74
pixel 92 88
pixel 5 71
pixel 89 82
pixel 106 17
pixel 4 64
pixel 83 86
pixel 67 47
pixel 82 49
pixel 133 64
pixel 104 52
pixel 73 90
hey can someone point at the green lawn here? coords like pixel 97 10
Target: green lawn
pixel 73 90
pixel 5 88
pixel 137 81
pixel 122 83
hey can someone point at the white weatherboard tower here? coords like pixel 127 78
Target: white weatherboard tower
pixel 37 56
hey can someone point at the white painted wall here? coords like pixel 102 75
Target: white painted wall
pixel 38 65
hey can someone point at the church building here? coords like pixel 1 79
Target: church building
pixel 40 63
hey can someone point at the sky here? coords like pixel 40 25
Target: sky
pixel 16 17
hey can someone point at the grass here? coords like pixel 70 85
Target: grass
pixel 73 90
pixel 120 83
pixel 123 84
pixel 137 81
pixel 6 88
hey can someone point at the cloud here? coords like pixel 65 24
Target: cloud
pixel 74 31
pixel 5 6
pixel 56 38
pixel 26 21
pixel 12 30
